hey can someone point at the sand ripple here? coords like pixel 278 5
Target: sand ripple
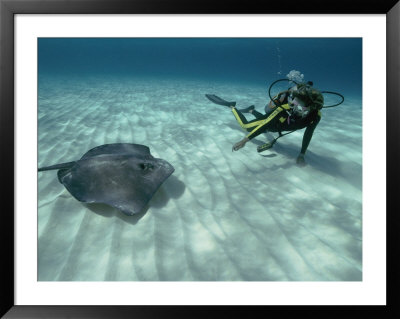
pixel 222 215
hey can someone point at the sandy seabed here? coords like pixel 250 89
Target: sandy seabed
pixel 222 215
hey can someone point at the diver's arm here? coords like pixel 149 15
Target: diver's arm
pixel 240 144
pixel 257 131
pixel 307 139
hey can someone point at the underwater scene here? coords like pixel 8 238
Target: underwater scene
pixel 199 159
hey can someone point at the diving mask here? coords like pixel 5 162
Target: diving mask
pixel 298 107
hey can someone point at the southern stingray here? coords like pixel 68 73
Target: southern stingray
pixel 122 175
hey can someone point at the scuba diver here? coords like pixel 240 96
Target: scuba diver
pixel 296 108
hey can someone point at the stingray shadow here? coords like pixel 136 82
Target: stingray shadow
pixel 171 188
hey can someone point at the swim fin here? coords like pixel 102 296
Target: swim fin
pixel 217 100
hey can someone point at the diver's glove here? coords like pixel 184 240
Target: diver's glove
pixel 300 160
pixel 240 144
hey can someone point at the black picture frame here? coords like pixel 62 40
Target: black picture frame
pixel 9 8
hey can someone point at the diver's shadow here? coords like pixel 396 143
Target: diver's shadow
pixel 322 163
pixel 330 165
pixel 352 172
pixel 171 188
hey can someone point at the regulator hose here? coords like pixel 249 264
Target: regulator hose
pixel 322 92
pixel 338 94
pixel 273 83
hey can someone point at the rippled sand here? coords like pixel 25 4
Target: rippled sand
pixel 221 216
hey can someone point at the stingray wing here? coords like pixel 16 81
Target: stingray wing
pixel 125 182
pixel 136 150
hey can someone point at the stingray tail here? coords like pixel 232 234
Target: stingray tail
pixel 57 166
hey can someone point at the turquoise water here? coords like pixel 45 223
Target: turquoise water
pixel 222 215
pixel 334 64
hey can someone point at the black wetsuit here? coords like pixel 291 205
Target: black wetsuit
pixel 279 120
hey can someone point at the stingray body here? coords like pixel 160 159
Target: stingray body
pixel 121 175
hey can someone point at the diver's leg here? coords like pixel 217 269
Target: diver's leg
pixel 244 123
pixel 257 114
pixel 251 110
pixel 239 116
pixel 248 109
